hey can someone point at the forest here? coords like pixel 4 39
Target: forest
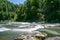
pixel 31 11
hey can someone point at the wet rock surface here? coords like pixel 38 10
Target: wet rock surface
pixel 39 36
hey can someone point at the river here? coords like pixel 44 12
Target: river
pixel 11 30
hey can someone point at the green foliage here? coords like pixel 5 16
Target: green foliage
pixel 7 10
pixel 52 13
pixel 21 12
pixel 31 10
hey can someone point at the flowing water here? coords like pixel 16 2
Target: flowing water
pixel 11 30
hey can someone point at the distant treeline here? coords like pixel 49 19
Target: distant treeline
pixel 30 11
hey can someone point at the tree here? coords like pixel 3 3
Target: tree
pixel 21 12
pixel 7 10
pixel 52 8
pixel 32 10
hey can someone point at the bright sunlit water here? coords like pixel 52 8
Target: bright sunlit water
pixel 28 27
